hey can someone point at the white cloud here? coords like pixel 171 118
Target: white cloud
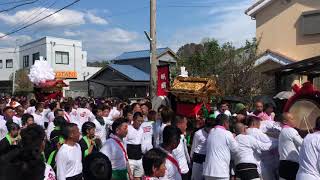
pixel 60 19
pixel 12 41
pixel 110 42
pixel 96 19
pixel 232 25
pixel 71 33
pixel 63 18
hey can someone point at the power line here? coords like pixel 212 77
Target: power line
pixel 41 19
pixel 14 7
pixel 32 17
pixel 27 19
pixel 13 2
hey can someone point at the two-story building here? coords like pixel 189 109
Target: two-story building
pixel 128 75
pixel 65 56
pixel 288 31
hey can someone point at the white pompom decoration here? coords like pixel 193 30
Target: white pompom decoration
pixel 40 72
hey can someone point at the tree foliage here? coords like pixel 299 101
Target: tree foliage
pixel 22 81
pixel 232 67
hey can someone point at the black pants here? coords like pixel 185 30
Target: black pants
pixel 76 177
pixel 185 176
pixel 288 170
pixel 247 171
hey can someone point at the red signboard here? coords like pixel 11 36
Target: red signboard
pixel 163 80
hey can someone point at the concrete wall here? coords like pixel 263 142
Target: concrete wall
pixel 8 53
pixel 280 28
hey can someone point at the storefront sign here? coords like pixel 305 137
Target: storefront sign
pixel 66 74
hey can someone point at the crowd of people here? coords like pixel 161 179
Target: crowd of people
pixel 101 139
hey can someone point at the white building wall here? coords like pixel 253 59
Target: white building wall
pixel 47 48
pixel 8 53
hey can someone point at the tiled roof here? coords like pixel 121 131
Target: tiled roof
pixel 131 72
pixel 139 54
pixel 274 56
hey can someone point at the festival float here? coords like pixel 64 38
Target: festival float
pixel 46 86
pixel 193 94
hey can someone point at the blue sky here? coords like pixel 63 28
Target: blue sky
pixel 109 27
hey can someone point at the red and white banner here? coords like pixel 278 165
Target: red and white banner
pixel 163 80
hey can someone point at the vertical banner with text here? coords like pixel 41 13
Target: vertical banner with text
pixel 163 80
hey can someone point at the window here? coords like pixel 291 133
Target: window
pixel 310 22
pixel 9 63
pixel 62 57
pixel 35 56
pixel 1 65
pixel 26 61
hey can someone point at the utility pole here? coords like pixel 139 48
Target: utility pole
pixel 153 49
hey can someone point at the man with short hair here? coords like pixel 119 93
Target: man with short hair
pixel 171 140
pixel 220 145
pixel 245 160
pixel 181 152
pixel 87 142
pixel 8 113
pixel 223 109
pixel 309 156
pixel 69 159
pixel 266 166
pixel 199 149
pixel 11 138
pixel 19 113
pixel 115 150
pixel 133 142
pixel 154 164
pixel 289 145
pixel 37 115
pixel 100 124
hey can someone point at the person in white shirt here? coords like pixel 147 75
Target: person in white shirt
pixel 8 113
pixel 69 159
pixel 167 117
pixel 101 132
pixel 147 127
pixel 246 162
pixel 19 113
pixel 199 149
pixel 223 109
pixel 37 115
pixel 114 149
pixel 220 145
pixel 154 164
pixel 266 165
pixel 83 114
pixel 289 145
pixel 133 142
pixel 32 108
pixel 181 153
pixel 309 159
pixel 107 120
pixel 51 125
pixel 171 140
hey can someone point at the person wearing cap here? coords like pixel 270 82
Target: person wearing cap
pixel 87 142
pixel 114 149
pixel 97 166
pixel 11 139
pixel 199 149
